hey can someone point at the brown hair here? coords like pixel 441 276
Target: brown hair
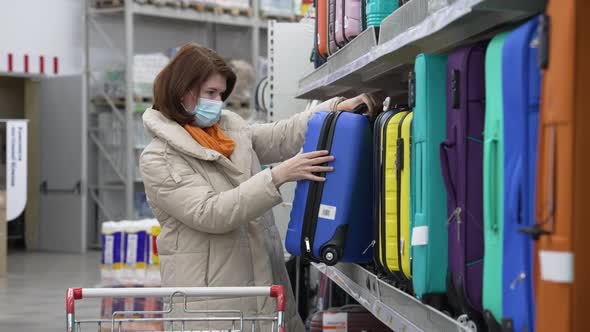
pixel 190 68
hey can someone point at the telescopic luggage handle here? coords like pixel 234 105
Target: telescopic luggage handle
pixel 361 109
pixel 445 168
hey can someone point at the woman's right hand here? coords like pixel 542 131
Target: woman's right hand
pixel 302 167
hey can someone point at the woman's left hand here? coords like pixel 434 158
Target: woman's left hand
pixel 349 105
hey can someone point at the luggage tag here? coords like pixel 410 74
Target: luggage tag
pixel 335 322
pixel 419 236
pixel 557 266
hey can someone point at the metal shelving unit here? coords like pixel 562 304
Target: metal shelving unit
pixel 186 15
pixel 396 309
pixel 380 60
pixel 124 113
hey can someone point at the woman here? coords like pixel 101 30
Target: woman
pixel 203 179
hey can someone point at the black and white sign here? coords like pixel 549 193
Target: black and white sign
pixel 16 168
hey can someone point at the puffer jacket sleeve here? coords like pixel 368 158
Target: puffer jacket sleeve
pixel 185 195
pixel 281 140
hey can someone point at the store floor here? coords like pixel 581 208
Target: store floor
pixel 32 296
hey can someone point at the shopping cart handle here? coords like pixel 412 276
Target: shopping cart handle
pixel 73 294
pixel 278 291
pixel 86 293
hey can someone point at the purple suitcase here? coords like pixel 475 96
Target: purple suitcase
pixel 461 158
pixel 348 20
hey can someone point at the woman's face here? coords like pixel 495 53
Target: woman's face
pixel 211 89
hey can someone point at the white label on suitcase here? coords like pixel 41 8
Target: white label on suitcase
pixel 337 26
pixel 345 22
pixel 419 236
pixel 327 212
pixel 335 322
pixel 557 266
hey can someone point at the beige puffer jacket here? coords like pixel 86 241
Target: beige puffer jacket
pixel 216 218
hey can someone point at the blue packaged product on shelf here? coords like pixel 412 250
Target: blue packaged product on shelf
pixel 135 241
pixel 112 258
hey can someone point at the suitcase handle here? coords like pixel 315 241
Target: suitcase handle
pixel 361 109
pixel 445 169
pixel 490 182
pixel 550 220
pixel 546 218
pixel 419 168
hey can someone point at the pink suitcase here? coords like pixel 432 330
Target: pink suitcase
pixel 348 20
pixel 333 26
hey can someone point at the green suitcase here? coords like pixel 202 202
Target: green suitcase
pixel 493 182
pixel 428 195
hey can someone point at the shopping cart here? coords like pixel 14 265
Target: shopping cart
pixel 234 318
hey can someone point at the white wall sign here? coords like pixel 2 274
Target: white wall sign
pixel 16 168
pixel 47 37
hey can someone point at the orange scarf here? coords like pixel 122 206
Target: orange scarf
pixel 212 138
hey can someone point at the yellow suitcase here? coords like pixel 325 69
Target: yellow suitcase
pixel 393 186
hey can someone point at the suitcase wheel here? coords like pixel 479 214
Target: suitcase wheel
pixel 465 321
pixel 330 255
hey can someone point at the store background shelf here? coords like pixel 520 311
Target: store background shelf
pixel 420 26
pixel 193 15
pixel 121 38
pixel 398 310
pixel 184 14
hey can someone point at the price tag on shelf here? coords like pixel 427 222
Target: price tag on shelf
pixel 335 322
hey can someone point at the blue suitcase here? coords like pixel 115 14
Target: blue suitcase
pixel 521 120
pixel 331 220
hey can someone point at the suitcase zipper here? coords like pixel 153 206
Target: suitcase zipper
pixel 381 131
pixel 456 215
pixel 377 192
pixel 307 245
pixel 456 88
pixel 344 25
pixel 521 277
pixel 399 163
pixel 382 171
pixel 316 188
pixel 372 244
pixel 311 195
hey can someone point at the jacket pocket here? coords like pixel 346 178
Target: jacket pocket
pixel 167 241
pixel 189 270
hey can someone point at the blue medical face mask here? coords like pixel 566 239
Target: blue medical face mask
pixel 207 112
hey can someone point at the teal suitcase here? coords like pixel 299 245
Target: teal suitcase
pixel 493 183
pixel 429 197
pixel 377 10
